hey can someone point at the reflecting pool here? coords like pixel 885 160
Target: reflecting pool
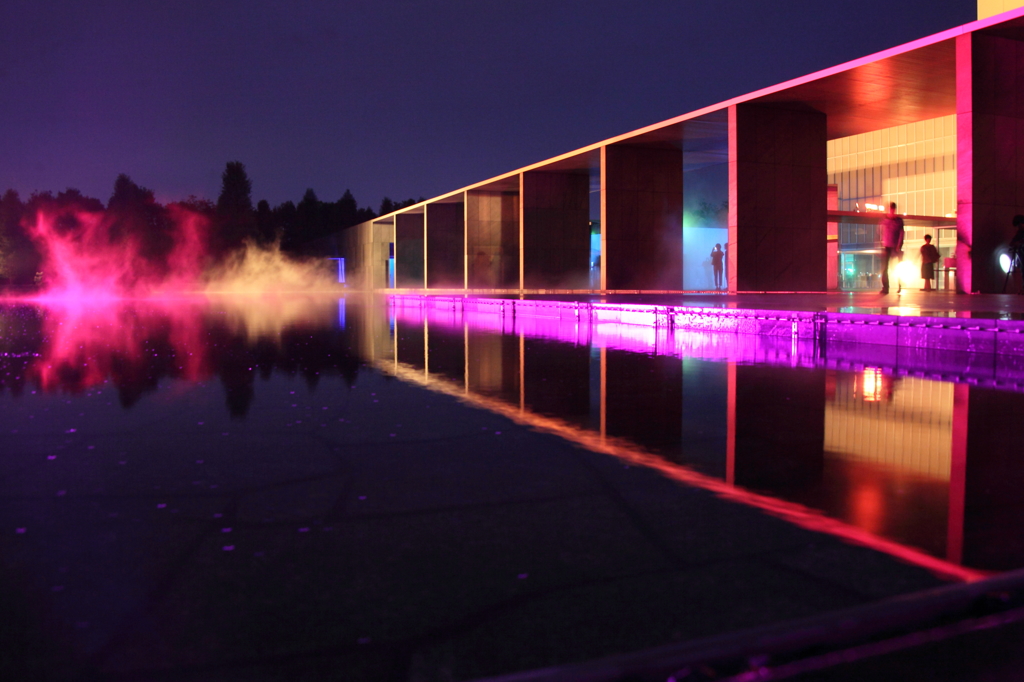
pixel 198 482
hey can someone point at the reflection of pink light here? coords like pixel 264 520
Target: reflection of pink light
pixel 87 345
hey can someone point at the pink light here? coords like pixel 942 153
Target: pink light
pixel 90 256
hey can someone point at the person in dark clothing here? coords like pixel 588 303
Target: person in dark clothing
pixel 892 241
pixel 717 259
pixel 1017 243
pixel 929 257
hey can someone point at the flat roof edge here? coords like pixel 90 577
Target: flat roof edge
pixel 933 39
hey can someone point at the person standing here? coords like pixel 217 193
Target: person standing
pixel 929 257
pixel 892 241
pixel 717 259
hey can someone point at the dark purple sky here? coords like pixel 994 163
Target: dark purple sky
pixel 396 97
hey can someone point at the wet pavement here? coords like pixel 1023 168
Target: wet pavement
pixel 331 491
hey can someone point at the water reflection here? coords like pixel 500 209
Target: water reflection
pixel 923 469
pixel 887 456
pixel 134 345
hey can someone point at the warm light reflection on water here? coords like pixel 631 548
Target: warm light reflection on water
pixel 918 468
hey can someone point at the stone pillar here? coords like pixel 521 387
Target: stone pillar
pixel 409 233
pixel 492 239
pixel 642 217
pixel 990 155
pixel 778 187
pixel 556 230
pixel 445 234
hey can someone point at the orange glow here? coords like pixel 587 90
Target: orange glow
pixel 868 507
pixel 871 385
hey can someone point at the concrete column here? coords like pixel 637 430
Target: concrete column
pixel 568 398
pixel 990 155
pixel 556 230
pixel 993 480
pixel 778 187
pixel 644 400
pixel 409 234
pixel 780 428
pixel 492 239
pixel 642 218
pixel 445 228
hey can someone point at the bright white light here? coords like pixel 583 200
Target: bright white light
pixel 1005 262
pixel 907 270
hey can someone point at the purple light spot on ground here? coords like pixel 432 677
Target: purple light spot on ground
pixel 217 516
pixel 224 434
pixel 19 531
pixel 213 486
pixel 374 401
pixel 51 457
pixel 497 433
pixel 122 462
pixel 161 505
pixel 392 435
pixel 303 530
pixel 200 423
pixel 291 392
pixel 61 493
pixel 199 461
pixel 225 530
pixel 70 430
pixel 524 576
pixel 362 497
pixel 229 548
pixel 92 447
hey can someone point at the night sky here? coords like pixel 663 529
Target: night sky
pixel 387 97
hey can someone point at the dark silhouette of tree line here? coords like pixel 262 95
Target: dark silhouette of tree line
pixel 132 211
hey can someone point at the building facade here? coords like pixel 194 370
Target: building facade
pixel 791 181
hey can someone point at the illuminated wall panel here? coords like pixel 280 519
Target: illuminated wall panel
pixel 904 424
pixel 988 8
pixel 492 239
pixel 913 165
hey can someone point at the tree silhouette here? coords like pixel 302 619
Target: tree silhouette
pixel 236 220
pixel 235 190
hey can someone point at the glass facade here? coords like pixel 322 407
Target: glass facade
pixel 915 166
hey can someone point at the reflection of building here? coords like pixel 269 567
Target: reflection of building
pixel 888 457
pixel 924 124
